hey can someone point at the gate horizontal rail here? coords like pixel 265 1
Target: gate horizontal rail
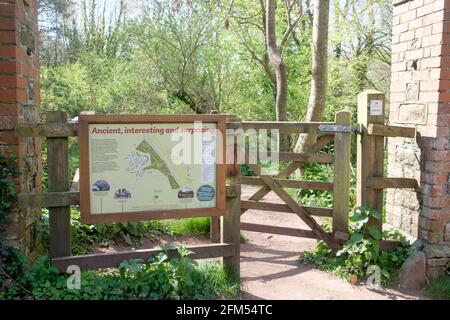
pixel 284 231
pixel 267 206
pixel 315 185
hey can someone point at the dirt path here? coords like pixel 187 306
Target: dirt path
pixel 270 270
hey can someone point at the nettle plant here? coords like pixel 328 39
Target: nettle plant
pixel 362 250
pixel 361 253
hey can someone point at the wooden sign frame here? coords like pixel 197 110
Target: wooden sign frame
pixel 85 194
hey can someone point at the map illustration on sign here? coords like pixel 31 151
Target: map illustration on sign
pixel 132 167
pixel 156 162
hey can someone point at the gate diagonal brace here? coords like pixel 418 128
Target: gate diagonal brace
pixel 295 207
pixel 321 142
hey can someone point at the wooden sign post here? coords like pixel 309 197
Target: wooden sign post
pixel 58 180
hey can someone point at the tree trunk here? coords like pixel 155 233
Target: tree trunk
pixel 276 59
pixel 316 105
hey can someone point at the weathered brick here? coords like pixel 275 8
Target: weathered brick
pixel 436 202
pixel 415 4
pixel 423 31
pixel 426 96
pixel 430 85
pixel 407 16
pixel 436 155
pixel 437 262
pixel 14 94
pixel 435 190
pixel 434 73
pixel 438 4
pixel 400 28
pixel 437 28
pixel 406 36
pixel 399 47
pixel 8 37
pixel 433 17
pixel 424 10
pixel 427 63
pixel 7 24
pixel 436 51
pixel 432 40
pixel 8 67
pixel 414 54
pixel 9 109
pixel 436 214
pixel 8 137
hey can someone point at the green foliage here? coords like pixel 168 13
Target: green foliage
pixel 361 250
pixel 11 261
pixel 321 173
pixel 84 237
pixel 246 171
pixel 192 227
pixel 8 172
pixel 439 288
pixel 133 233
pixel 159 278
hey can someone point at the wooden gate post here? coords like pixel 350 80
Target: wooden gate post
pixel 341 183
pixel 231 221
pixel 58 180
pixel 370 159
pixel 214 225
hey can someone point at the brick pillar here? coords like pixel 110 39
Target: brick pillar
pixel 19 103
pixel 420 96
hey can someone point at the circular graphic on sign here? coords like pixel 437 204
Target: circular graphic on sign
pixel 122 194
pixel 206 193
pixel 100 185
pixel 185 193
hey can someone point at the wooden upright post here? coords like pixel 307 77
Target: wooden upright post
pixel 341 183
pixel 58 180
pixel 231 221
pixel 214 225
pixel 370 162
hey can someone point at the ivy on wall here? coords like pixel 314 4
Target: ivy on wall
pixel 8 173
pixel 11 260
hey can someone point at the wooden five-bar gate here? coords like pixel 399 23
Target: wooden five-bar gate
pixel 226 230
pixel 340 133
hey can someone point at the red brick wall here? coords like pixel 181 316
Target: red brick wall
pixel 19 103
pixel 420 96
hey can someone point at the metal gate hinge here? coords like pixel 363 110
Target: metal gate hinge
pixel 335 128
pixel 339 128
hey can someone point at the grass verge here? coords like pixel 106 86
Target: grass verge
pixel 439 288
